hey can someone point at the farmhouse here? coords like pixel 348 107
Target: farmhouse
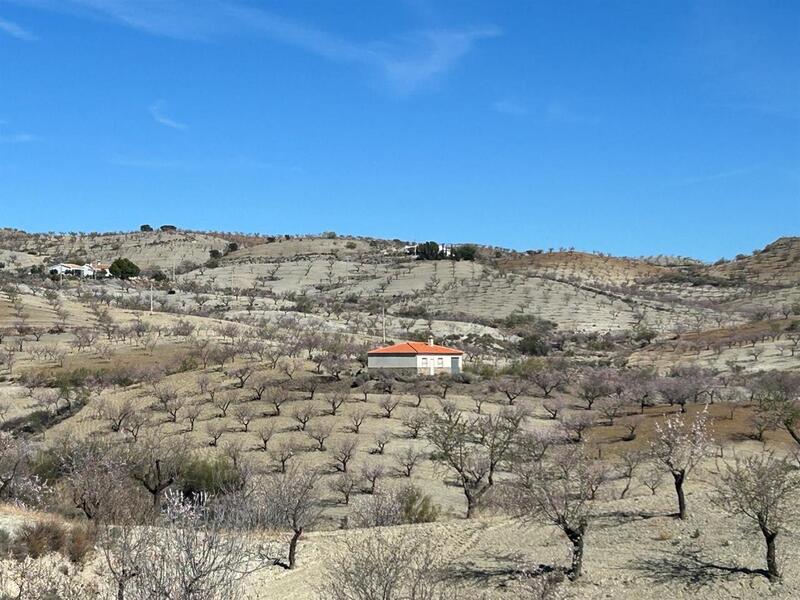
pixel 417 357
pixel 66 269
pixel 88 270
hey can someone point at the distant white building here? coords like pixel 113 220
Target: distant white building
pixel 417 357
pixel 94 270
pixel 445 249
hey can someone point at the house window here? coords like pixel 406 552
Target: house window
pixel 439 362
pixel 424 362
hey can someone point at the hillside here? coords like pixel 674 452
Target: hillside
pixel 245 374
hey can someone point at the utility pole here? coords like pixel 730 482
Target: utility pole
pixel 383 317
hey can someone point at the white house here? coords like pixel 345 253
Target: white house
pixel 96 269
pixel 445 249
pixel 417 357
pixel 88 270
pixel 66 269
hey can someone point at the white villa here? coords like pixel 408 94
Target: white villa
pixel 88 270
pixel 418 357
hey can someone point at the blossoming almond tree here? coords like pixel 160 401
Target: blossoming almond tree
pixel 681 443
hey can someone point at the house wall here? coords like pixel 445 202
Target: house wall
pixel 392 362
pixel 419 363
pixel 428 364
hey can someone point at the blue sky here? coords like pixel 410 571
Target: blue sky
pixel 625 127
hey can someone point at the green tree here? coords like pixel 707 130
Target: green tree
pixel 429 251
pixel 123 268
pixel 465 252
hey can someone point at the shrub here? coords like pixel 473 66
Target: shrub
pixel 416 506
pixel 396 506
pixel 81 542
pixel 39 539
pixel 145 228
pixel 534 345
pixel 209 475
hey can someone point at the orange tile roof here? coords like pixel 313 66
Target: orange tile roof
pixel 415 348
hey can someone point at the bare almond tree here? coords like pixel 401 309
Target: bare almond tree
pixel 553 406
pixel 382 438
pixel 343 452
pixel 473 449
pixel 336 399
pixel 303 415
pixel 371 472
pixel 244 415
pixel 319 432
pixel 388 404
pixel 511 386
pixel 764 489
pixel 265 433
pixel 378 566
pixel 291 500
pixel 214 431
pixel 345 484
pixel 357 418
pixel 192 412
pixel 557 491
pixel 652 477
pixel 283 453
pixel 407 460
pixel 156 464
pixel 576 424
pixel 224 401
pixel 277 397
pixel 629 463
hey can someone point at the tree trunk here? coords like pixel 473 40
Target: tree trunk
pixel 576 537
pixel 792 431
pixel 293 547
pixel 472 506
pixel 679 478
pixel 773 571
pixel 627 488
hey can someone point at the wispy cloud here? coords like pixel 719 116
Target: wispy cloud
pixel 557 112
pixel 16 138
pixel 227 163
pixel 147 163
pixel 405 62
pixel 510 107
pixel 157 112
pixel 16 31
pixel 717 176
